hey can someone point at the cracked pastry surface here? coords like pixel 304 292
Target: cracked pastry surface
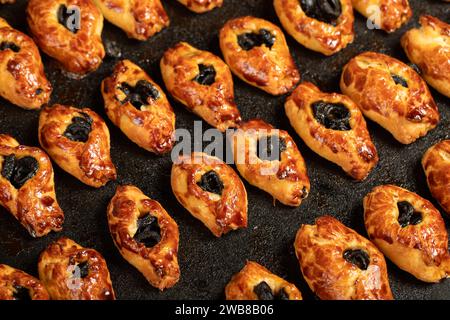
pixel 18 285
pixel 201 6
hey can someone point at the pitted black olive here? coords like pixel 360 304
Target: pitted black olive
pixel 304 193
pixel 407 215
pixel 5 45
pixel 273 147
pixel 19 171
pixel 79 129
pixel 415 67
pixel 84 269
pixel 358 257
pixel 263 291
pixel 211 182
pixel 327 11
pixel 63 18
pixel 282 295
pixel 399 80
pixel 21 293
pixel 139 94
pixel 148 231
pixel 333 116
pixel 39 91
pixel 206 75
pixel 249 40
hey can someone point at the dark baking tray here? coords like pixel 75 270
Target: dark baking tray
pixel 207 263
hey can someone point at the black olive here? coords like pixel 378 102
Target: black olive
pixel 84 269
pixel 358 257
pixel 9 45
pixel 407 215
pixel 63 17
pixel 79 129
pixel 273 145
pixel 415 67
pixel 21 293
pixel 39 91
pixel 249 40
pixel 139 94
pixel 282 295
pixel 206 76
pixel 399 80
pixel 19 171
pixel 211 182
pixel 148 231
pixel 304 193
pixel 333 116
pixel 327 11
pixel 263 291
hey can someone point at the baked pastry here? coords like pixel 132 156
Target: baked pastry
pixel 140 19
pixel 7 1
pixel 390 93
pixel 71 272
pixel 254 282
pixel 409 231
pixel 78 141
pixel 27 189
pixel 339 264
pixel 323 26
pixel 18 285
pixel 332 125
pixel 201 6
pixel 146 236
pixel 436 164
pixel 139 107
pixel 429 48
pixel 68 31
pixel 203 83
pixel 256 51
pixel 211 191
pixel 22 77
pixel 268 158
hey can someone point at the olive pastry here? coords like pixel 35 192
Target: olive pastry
pixel 203 83
pixel 68 31
pixel 18 285
pixel 339 264
pixel 254 282
pixel 72 272
pixel 22 77
pixel 27 188
pixel 211 191
pixel 201 6
pixel 409 231
pixel 78 141
pixel 429 48
pixel 325 26
pixel 257 52
pixel 140 19
pixel 146 236
pixel 390 93
pixel 269 159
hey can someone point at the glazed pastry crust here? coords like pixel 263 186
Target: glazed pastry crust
pixel 90 162
pixel 429 48
pixel 319 249
pixel 34 205
pixel 285 179
pixel 214 103
pixel 314 34
pixel 270 69
pixel 421 249
pixel 11 277
pixel 242 284
pixel 140 19
pixel 201 6
pixel 159 264
pixel 22 76
pixel 352 150
pixel 56 266
pixel 219 213
pixel 407 113
pixel 78 53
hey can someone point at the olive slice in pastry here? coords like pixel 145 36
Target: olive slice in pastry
pixel 201 6
pixel 390 93
pixel 429 48
pixel 72 272
pixel 146 236
pixel 339 264
pixel 78 141
pixel 256 51
pixel 211 191
pixel 27 189
pixel 140 19
pixel 22 77
pixel 409 231
pixel 254 282
pixel 203 83
pixel 325 26
pixel 332 125
pixel 139 107
pixel 18 285
pixel 269 159
pixel 68 31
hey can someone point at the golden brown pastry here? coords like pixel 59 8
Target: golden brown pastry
pixel 257 52
pixel 429 48
pixel 146 236
pixel 7 1
pixel 323 26
pixel 390 93
pixel 254 282
pixel 71 272
pixel 18 285
pixel 269 159
pixel 68 31
pixel 27 189
pixel 211 191
pixel 139 107
pixel 339 264
pixel 140 19
pixel 201 6
pixel 409 231
pixel 78 141
pixel 203 83
pixel 22 77
pixel 332 125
